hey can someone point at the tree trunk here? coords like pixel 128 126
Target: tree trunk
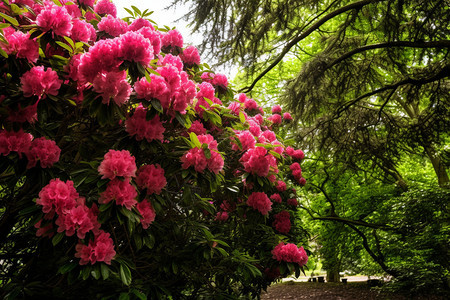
pixel 439 167
pixel 333 274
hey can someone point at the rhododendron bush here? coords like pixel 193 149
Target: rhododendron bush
pixel 130 168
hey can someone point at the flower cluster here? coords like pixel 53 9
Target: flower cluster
pixel 151 177
pixel 197 157
pixel 137 125
pixel 290 253
pixel 260 202
pixel 117 164
pixel 282 222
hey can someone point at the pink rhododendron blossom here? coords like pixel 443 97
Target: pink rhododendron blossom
pixel 87 2
pixel 276 109
pixel 44 231
pixel 151 177
pixel 281 186
pixel 123 192
pixel 220 80
pixel 117 164
pixel 137 125
pixel 269 135
pixel 105 7
pixel 157 88
pixel 100 249
pixel 54 18
pixel 171 39
pixel 196 157
pixel 295 154
pixel 169 59
pixel 246 139
pixel 154 37
pixel 292 202
pixel 43 150
pixel 171 75
pixel 147 212
pixel 276 198
pixel 296 171
pixel 22 115
pixel 112 85
pixel 275 119
pixel 257 161
pixel 57 196
pixel 260 202
pixel 251 105
pixel 12 141
pixel 20 44
pixel 287 116
pixel 197 128
pixel 79 219
pixel 290 253
pixel 282 222
pixel 113 26
pixel 221 216
pixel 135 47
pixel 255 129
pixel 190 56
pixel 206 90
pixel 102 57
pixel 302 181
pixel 235 107
pixel 38 82
pixel 72 9
pixel 184 96
pixel 82 31
pixel 140 23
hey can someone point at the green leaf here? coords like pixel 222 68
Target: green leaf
pixel 67 267
pixel 96 272
pixel 104 269
pixel 194 139
pixel 3 53
pixel 125 274
pixel 57 238
pixel 4 25
pixel 124 296
pixel 138 12
pixel 157 105
pixel 139 294
pixel 241 117
pixel 129 11
pixel 69 40
pixel 9 19
pixel 65 46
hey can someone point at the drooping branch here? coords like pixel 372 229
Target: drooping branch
pixel 443 73
pixel 430 44
pixel 297 39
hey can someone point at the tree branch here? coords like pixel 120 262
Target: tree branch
pixel 315 26
pixel 431 44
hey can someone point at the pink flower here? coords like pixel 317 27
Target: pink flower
pixel 121 191
pixel 135 47
pixel 58 196
pixel 147 212
pixel 172 40
pixel 276 198
pixel 287 116
pixel 102 57
pixel 105 7
pixel 87 2
pixel 302 181
pixel 222 216
pixel 257 161
pixel 80 219
pixel 296 170
pixel 151 177
pixel 117 164
pixel 251 105
pixel 20 44
pixel 275 119
pixel 157 88
pixel 281 186
pixel 154 37
pixel 169 59
pixel 11 141
pixel 38 82
pixel 82 31
pixel 197 128
pixel 190 56
pixel 196 157
pixel 235 107
pixel 100 249
pixel 113 85
pixel 43 150
pixel 113 26
pixel 137 125
pixel 246 139
pixel 55 18
pixel 290 253
pixel 140 23
pixel 295 154
pixel 276 109
pixel 220 80
pixel 44 231
pixel 259 201
pixel 22 115
pixel 282 222
pixel 292 202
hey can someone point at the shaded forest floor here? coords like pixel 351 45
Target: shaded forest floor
pixel 324 291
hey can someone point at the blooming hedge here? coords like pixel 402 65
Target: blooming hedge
pixel 124 159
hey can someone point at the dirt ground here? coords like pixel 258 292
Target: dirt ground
pixel 325 291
